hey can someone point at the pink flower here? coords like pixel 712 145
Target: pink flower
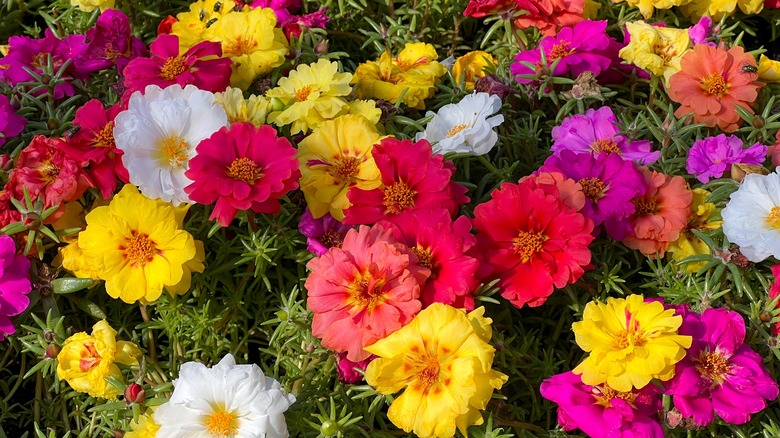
pixel 295 24
pixel 602 412
pixel 11 124
pixel 363 291
pixel 167 67
pixel 282 8
pixel 720 373
pixel 14 284
pixel 322 233
pixel 240 168
pixel 345 369
pixel 412 179
pixel 109 43
pixel 441 245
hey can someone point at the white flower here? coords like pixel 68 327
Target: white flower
pixel 751 218
pixel 158 134
pixel 465 127
pixel 225 401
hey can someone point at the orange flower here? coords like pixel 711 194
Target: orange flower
pixel 661 214
pixel 550 15
pixel 711 83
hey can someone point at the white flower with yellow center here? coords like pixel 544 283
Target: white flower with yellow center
pixel 225 401
pixel 466 126
pixel 158 134
pixel 751 218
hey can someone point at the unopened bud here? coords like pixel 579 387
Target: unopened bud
pixel 51 351
pixel 765 316
pixel 758 122
pixel 52 124
pixel 118 433
pixel 321 48
pixel 134 393
pixel 492 85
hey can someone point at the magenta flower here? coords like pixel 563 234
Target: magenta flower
pixel 720 374
pixel 576 49
pixel 345 368
pixel 712 156
pixel 167 67
pixel 701 31
pixel 596 132
pixel 608 182
pixel 11 124
pixel 602 412
pixel 241 168
pixel 14 285
pixel 109 43
pixel 294 24
pixel 323 233
pixel 282 8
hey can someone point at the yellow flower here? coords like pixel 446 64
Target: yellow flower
pixel 86 360
pixel 143 427
pixel 74 261
pixel 365 108
pixel 471 67
pixel 138 247
pixel 251 39
pixel 443 362
pixel 718 8
pixel 768 69
pixel 656 49
pixel 91 5
pixel 335 157
pixel 202 15
pixel 630 342
pixel 688 244
pixel 414 72
pixel 647 7
pixel 253 110
pixel 310 94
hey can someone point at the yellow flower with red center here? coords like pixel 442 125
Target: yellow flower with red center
pixel 203 14
pixel 630 342
pixel 443 363
pixel 658 50
pixel 471 67
pixel 86 360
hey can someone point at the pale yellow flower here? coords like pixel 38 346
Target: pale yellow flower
pixel 656 49
pixel 253 109
pixel 91 5
pixel 718 8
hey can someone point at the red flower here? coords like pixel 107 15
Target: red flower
pixel 549 15
pixel 240 168
pixel 165 25
pixel 532 240
pixel 93 145
pixel 483 8
pixel 440 245
pixel 412 179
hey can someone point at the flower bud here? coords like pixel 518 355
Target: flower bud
pixel 51 351
pixel 134 393
pixel 758 122
pixel 321 48
pixel 765 316
pixel 492 85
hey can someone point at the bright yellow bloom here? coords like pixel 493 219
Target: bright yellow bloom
pixel 203 14
pixel 253 109
pixel 310 94
pixel 143 427
pixel 138 247
pixel 647 7
pixel 656 49
pixel 443 362
pixel 630 342
pixel 365 108
pixel 688 244
pixel 718 8
pixel 251 39
pixel 86 360
pixel 91 5
pixel 471 67
pixel 74 261
pixel 335 157
pixel 415 71
pixel 768 69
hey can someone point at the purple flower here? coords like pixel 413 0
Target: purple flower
pixel 345 369
pixel 490 84
pixel 720 374
pixel 710 157
pixel 576 49
pixel 700 32
pixel 596 132
pixel 602 412
pixel 11 124
pixel 608 182
pixel 110 43
pixel 323 233
pixel 14 285
pixel 32 54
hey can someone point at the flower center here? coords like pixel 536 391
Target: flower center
pixel 429 371
pixel 424 257
pixel 240 46
pixel 773 219
pixel 406 64
pixel 559 50
pixel 593 188
pixel 714 85
pixel 331 239
pixel 174 151
pixel 111 53
pixel 221 424
pixel 244 169
pixel 303 93
pixel 139 249
pixel 398 197
pixel 455 129
pixel 105 137
pixel 644 206
pixel 630 337
pixel 606 146
pixel 39 60
pixel 346 168
pixel 49 172
pixel 367 292
pixel 665 51
pixel 172 68
pixel 604 395
pixel 527 244
pixel 89 357
pixel 713 366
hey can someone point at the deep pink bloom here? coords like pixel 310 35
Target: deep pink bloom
pixel 11 124
pixel 441 245
pixel 596 132
pixel 93 145
pixel 167 67
pixel 345 369
pixel 109 43
pixel 774 292
pixel 14 284
pixel 720 374
pixel 295 24
pixel 282 8
pixel 602 412
pixel 412 179
pixel 711 157
pixel 242 167
pixel 323 233
pixel 701 31
pixel 576 49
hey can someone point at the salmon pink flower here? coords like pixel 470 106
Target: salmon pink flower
pixel 241 168
pixel 14 285
pixel 363 291
pixel 549 15
pixel 483 8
